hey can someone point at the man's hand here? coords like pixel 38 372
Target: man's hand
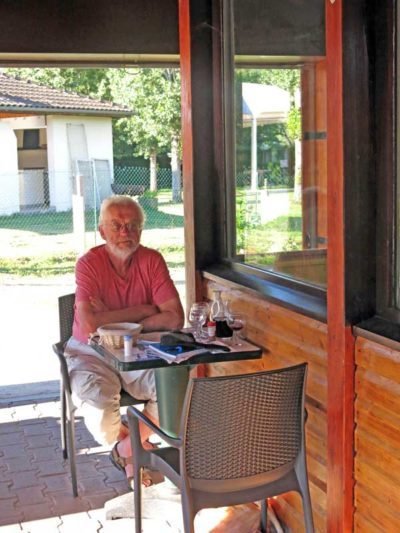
pixel 97 305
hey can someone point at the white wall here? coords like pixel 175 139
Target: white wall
pixel 99 143
pixel 9 180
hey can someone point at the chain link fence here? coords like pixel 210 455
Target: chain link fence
pixel 37 230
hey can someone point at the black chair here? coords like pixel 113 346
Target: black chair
pixel 241 440
pixel 66 317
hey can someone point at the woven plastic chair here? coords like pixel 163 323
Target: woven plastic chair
pixel 241 440
pixel 66 318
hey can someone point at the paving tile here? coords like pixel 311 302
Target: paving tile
pixel 48 468
pixel 102 459
pixel 6 491
pixel 79 522
pixel 25 412
pixel 38 441
pixel 45 525
pixel 65 503
pixel 121 487
pixel 47 453
pixel 127 525
pixel 88 469
pixel 92 485
pixel 9 427
pixel 5 475
pixel 14 450
pixel 9 514
pixel 25 479
pixel 37 511
pixel 35 429
pixel 112 474
pixel 7 439
pixel 7 414
pixel 53 421
pixel 98 500
pixel 57 483
pixel 48 409
pixel 31 495
pixel 19 464
pixel 12 528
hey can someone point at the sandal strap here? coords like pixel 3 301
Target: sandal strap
pixel 119 460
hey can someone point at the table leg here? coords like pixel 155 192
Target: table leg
pixel 171 384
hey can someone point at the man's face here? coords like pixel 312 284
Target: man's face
pixel 121 229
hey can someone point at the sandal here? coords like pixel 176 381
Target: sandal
pixel 149 477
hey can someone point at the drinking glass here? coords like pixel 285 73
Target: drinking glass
pixel 197 316
pixel 237 322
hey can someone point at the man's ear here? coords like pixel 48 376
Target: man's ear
pixel 101 231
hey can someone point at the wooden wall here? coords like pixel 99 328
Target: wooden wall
pixel 377 437
pixel 288 338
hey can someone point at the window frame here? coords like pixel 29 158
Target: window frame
pixel 289 292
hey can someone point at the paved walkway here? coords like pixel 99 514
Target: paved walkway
pixel 35 487
pixel 36 494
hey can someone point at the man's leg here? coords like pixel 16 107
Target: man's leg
pixel 96 389
pixel 141 385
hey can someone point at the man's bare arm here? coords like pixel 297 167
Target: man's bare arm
pixel 170 316
pixel 90 317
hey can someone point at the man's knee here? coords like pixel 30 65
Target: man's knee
pixel 95 389
pixel 103 423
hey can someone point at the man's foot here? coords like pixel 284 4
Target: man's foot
pixel 125 464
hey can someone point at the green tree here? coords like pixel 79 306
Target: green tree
pixel 154 96
pixel 89 82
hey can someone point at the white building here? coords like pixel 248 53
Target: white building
pixel 52 143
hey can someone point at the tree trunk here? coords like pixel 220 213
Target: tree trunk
pixel 176 172
pixel 153 171
pixel 297 170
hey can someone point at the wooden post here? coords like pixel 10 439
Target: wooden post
pixel 340 340
pixel 187 148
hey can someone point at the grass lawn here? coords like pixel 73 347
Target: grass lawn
pixel 43 244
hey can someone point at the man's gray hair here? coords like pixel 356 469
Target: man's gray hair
pixel 119 199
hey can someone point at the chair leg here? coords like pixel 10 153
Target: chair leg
pixel 63 422
pixel 188 513
pixel 264 516
pixel 71 451
pixel 302 479
pixel 307 509
pixel 137 497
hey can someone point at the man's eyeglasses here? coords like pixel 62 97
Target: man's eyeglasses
pixel 129 227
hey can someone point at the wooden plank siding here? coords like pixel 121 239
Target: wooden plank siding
pixel 288 338
pixel 377 437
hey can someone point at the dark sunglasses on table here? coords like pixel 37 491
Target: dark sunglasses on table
pixel 128 226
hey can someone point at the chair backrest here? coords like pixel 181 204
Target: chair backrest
pixel 240 426
pixel 66 315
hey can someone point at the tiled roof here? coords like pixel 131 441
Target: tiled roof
pixel 23 95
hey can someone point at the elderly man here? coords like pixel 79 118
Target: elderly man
pixel 119 281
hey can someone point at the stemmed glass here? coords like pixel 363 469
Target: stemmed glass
pixel 197 316
pixel 237 322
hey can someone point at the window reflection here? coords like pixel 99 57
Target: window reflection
pixel 281 171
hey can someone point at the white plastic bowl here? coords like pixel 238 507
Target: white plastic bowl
pixel 113 334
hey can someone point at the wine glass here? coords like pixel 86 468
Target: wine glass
pixel 197 316
pixel 237 322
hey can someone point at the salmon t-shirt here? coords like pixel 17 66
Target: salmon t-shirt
pixel 147 282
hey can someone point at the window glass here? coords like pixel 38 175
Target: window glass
pixel 31 139
pixel 280 174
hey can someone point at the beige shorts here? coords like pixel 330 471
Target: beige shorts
pixel 96 388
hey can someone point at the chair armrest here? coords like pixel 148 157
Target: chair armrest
pixel 135 413
pixel 58 349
